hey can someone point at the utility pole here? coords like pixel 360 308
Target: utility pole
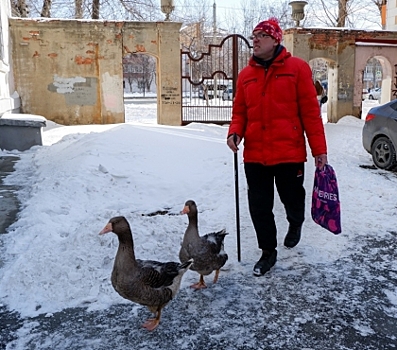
pixel 214 43
pixel 214 23
pixel 383 13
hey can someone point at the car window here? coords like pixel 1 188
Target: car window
pixel 394 105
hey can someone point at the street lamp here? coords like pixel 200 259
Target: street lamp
pixel 167 6
pixel 298 12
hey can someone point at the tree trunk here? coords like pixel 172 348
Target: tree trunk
pixel 130 82
pixel 95 9
pixel 78 11
pixel 342 14
pixel 19 8
pixel 46 10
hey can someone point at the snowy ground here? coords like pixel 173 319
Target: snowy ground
pixel 330 292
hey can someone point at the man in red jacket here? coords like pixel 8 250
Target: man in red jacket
pixel 274 107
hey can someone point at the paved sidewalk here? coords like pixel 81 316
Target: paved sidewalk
pixel 9 205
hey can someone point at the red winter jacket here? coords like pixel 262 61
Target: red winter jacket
pixel 272 110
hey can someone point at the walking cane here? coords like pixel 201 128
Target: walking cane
pixel 237 200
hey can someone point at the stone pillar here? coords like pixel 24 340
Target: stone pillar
pixel 169 109
pixel 331 93
pixel 345 83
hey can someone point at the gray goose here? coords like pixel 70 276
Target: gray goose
pixel 206 251
pixel 146 282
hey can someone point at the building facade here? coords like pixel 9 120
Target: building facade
pixel 390 15
pixel 9 99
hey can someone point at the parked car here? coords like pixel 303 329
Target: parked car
pixel 374 94
pixel 379 135
pixel 208 87
pixel 365 94
pixel 227 94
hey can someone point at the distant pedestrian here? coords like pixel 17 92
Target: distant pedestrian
pixel 275 105
pixel 321 95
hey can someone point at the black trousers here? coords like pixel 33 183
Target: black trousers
pixel 288 178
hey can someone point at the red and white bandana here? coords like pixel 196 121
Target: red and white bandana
pixel 271 27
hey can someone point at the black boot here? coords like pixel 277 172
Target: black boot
pixel 293 236
pixel 267 260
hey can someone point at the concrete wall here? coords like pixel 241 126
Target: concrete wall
pixel 347 53
pixel 9 99
pixel 70 71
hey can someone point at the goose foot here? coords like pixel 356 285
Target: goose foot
pixel 151 324
pixel 200 284
pixel 216 276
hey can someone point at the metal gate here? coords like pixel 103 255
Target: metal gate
pixel 209 80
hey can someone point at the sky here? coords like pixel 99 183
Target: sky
pixel 361 18
pixel 83 175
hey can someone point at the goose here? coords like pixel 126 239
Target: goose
pixel 146 282
pixel 206 251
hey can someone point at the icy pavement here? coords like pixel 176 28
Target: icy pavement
pixel 344 306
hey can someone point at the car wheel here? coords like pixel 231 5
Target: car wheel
pixel 383 153
pixel 370 97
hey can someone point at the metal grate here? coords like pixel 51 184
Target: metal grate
pixel 209 80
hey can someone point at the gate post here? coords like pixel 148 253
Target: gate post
pixel 169 97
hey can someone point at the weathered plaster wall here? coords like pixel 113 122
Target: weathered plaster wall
pixel 347 52
pixel 70 71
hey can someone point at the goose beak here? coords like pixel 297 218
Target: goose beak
pixel 185 210
pixel 106 229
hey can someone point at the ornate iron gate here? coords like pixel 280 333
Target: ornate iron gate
pixel 209 80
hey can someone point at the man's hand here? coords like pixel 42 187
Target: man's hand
pixel 233 141
pixel 320 161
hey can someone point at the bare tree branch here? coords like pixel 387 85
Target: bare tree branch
pixel 19 8
pixel 345 13
pixel 330 13
pixel 46 10
pixel 78 9
pixel 342 13
pixel 95 9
